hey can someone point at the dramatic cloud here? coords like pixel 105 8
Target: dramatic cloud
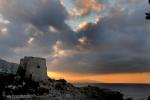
pixel 81 11
pixel 84 7
pixel 118 43
pixel 32 24
pixel 98 37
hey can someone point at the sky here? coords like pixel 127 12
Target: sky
pixel 83 40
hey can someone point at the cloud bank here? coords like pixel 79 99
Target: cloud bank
pixel 111 37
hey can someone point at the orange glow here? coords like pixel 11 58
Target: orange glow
pixel 107 78
pixel 85 8
pixel 83 26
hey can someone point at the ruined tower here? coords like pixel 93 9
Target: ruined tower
pixel 33 68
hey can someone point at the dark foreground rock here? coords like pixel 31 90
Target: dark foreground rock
pixel 96 93
pixel 13 87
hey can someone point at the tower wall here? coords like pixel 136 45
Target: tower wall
pixel 35 68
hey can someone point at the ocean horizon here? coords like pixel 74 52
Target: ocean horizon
pixel 135 91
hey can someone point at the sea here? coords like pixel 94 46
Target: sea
pixel 135 91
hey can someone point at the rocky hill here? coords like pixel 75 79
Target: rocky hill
pixel 26 89
pixel 7 67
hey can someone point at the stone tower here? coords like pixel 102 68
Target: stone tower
pixel 33 68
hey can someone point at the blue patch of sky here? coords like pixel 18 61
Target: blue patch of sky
pixel 75 21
